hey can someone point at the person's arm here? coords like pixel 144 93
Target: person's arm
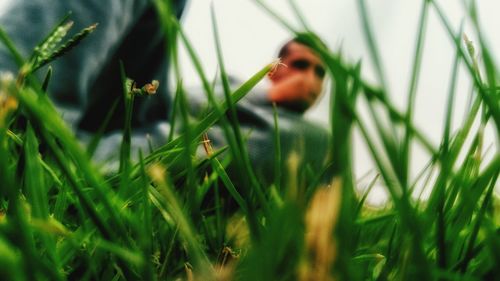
pixel 85 72
pixel 27 22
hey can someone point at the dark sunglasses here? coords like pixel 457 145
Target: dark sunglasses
pixel 302 64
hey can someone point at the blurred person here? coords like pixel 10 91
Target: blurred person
pixel 294 86
pixel 298 81
pixel 86 81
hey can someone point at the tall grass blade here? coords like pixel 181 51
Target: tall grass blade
pixel 405 159
pixel 372 46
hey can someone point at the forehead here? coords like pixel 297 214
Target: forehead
pixel 297 50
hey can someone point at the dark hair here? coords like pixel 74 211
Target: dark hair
pixel 284 49
pixel 306 39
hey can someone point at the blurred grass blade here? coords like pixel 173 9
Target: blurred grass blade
pixel 275 15
pixel 96 138
pixel 16 55
pixel 200 261
pixel 277 154
pixel 46 80
pixel 298 14
pixel 48 121
pixel 372 46
pixel 484 93
pixel 214 115
pixel 128 98
pixel 405 159
pixel 238 146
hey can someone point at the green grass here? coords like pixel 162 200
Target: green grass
pixel 61 218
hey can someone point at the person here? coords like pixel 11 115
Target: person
pixel 295 85
pixel 86 81
pixel 298 81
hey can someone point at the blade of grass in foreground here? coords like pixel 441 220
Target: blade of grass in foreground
pixel 200 261
pixel 18 222
pixel 189 146
pixel 48 123
pixel 372 46
pixel 235 141
pixel 408 138
pixel 37 190
pixel 18 58
pixel 146 238
pixel 404 209
pixel 238 146
pixel 277 154
pixel 490 97
pixel 94 142
pixel 213 116
pixel 396 155
pixel 487 94
pixel 128 97
pixel 298 14
pixel 441 186
pixel 489 177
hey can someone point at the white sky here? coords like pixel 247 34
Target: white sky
pixel 250 39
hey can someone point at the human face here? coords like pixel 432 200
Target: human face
pixel 301 60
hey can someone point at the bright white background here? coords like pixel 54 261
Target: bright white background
pixel 250 39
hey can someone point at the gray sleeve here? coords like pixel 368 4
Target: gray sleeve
pixel 305 140
pixel 27 22
pixel 303 144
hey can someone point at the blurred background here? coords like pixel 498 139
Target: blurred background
pixel 251 38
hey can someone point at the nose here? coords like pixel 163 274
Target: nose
pixel 310 73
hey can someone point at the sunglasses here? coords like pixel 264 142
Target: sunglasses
pixel 303 64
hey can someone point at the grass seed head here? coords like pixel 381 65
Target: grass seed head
pixel 321 219
pixel 469 45
pixel 46 49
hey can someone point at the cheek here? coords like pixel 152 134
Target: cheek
pixel 319 85
pixel 280 73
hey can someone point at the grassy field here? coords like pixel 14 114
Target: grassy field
pixel 61 218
